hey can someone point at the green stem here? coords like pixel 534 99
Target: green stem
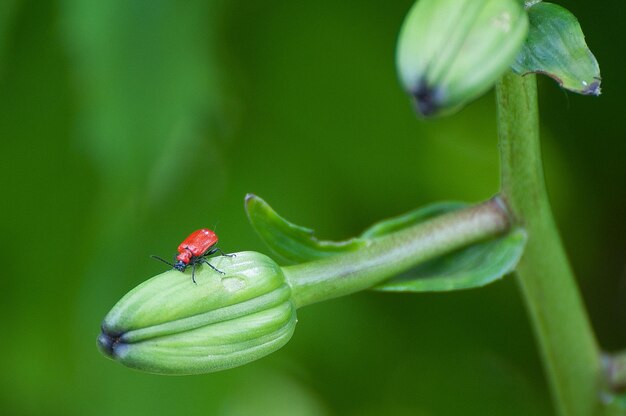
pixel 395 253
pixel 569 349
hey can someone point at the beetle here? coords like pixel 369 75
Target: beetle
pixel 195 249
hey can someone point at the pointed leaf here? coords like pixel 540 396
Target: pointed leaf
pixel 556 47
pixel 290 241
pixel 473 266
pixel 469 267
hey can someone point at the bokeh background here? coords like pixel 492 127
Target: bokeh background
pixel 124 125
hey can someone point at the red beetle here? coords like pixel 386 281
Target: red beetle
pixel 194 249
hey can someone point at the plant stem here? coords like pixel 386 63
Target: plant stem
pixel 394 253
pixel 569 349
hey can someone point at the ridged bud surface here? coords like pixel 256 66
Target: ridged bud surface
pixel 170 325
pixel 452 51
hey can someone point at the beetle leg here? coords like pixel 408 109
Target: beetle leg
pixel 203 260
pixel 193 273
pixel 218 250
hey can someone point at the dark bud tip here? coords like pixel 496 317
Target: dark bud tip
pixel 426 100
pixel 107 343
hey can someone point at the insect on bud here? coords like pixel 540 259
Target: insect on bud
pixel 452 51
pixel 170 325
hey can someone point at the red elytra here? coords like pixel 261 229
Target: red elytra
pixel 196 245
pixel 194 249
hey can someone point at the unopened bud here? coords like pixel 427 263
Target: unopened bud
pixel 170 325
pixel 452 51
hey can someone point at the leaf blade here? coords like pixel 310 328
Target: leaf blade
pixel 470 267
pixel 556 47
pixel 292 242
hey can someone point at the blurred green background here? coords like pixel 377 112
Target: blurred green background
pixel 125 125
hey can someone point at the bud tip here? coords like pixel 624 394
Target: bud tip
pixel 108 344
pixel 426 99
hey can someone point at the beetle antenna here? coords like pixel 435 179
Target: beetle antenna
pixel 160 259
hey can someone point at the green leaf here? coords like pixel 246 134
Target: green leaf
pixel 556 47
pixel 473 266
pixel 469 267
pixel 297 244
pixel 292 242
pixel 411 218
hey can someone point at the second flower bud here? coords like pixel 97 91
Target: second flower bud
pixel 452 51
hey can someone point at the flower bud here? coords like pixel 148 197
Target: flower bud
pixel 170 325
pixel 452 51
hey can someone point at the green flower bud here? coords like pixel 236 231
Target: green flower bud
pixel 170 325
pixel 452 51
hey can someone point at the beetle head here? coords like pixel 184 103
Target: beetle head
pixel 180 266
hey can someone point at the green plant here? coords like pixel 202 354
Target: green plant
pixel 449 53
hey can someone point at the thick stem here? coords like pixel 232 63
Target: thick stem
pixel 395 253
pixel 569 349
